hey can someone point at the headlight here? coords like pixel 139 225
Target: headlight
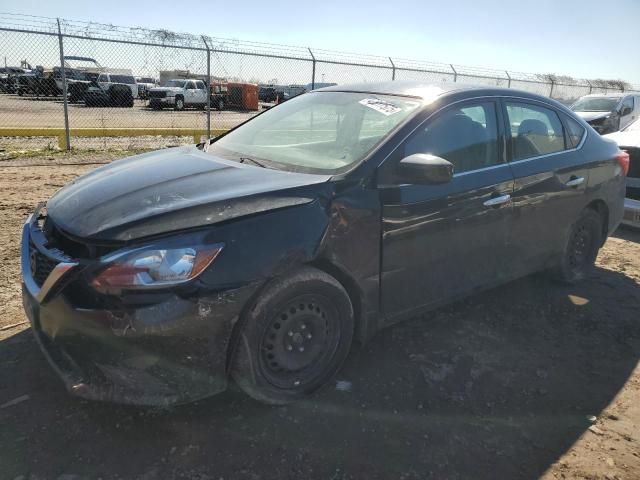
pixel 154 267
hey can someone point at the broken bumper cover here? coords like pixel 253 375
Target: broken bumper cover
pixel 163 353
pixel 631 215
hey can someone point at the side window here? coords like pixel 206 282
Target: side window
pixel 535 130
pixel 466 136
pixel 200 85
pixel 102 78
pixel 575 132
pixel 190 86
pixel 627 102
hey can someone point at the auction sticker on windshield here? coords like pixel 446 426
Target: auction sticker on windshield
pixel 386 108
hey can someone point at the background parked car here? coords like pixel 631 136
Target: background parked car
pixel 37 82
pixel 267 94
pixel 608 113
pixel 179 94
pixel 8 78
pixel 144 85
pixel 629 139
pixel 111 89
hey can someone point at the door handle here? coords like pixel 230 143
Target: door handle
pixel 575 181
pixel 496 201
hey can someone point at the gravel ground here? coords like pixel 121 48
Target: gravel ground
pixel 529 380
pixel 32 112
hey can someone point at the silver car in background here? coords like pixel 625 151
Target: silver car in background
pixel 608 113
pixel 628 139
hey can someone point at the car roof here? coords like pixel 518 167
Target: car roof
pixel 430 91
pixel 612 95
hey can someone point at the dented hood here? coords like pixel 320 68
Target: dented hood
pixel 590 116
pixel 170 190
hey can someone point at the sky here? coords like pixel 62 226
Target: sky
pixel 580 38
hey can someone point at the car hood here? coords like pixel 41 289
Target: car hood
pixel 625 139
pixel 589 116
pixel 170 190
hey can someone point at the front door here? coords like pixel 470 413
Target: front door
pixel 628 112
pixel 441 241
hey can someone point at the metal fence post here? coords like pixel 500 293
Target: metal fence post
pixel 313 69
pixel 67 135
pixel 590 87
pixel 508 79
pixel 393 69
pixel 455 74
pixel 552 85
pixel 204 40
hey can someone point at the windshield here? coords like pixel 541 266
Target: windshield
pixel 175 83
pixel 595 104
pixel 122 79
pixel 323 132
pixel 146 80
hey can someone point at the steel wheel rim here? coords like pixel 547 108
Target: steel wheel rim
pixel 580 248
pixel 299 342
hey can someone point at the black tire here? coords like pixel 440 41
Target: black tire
pixel 220 105
pixel 581 249
pixel 179 105
pixel 294 338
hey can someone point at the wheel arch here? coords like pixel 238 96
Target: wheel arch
pixel 352 289
pixel 601 208
pixel 324 265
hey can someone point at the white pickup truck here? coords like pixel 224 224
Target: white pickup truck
pixel 179 94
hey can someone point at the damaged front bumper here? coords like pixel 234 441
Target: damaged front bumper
pixel 166 351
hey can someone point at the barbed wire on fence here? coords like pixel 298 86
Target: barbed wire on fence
pixel 227 65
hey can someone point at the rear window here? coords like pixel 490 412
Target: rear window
pixel 575 132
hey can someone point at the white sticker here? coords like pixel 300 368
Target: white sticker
pixel 381 106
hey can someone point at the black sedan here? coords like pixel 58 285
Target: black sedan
pixel 263 254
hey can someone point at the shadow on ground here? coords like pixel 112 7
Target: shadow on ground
pixel 498 386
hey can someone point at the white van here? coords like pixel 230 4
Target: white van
pixel 609 112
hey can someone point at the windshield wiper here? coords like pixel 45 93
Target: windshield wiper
pixel 256 162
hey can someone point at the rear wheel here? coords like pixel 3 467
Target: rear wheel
pixel 582 247
pixel 294 338
pixel 179 103
pixel 220 105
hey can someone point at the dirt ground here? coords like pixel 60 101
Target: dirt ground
pixel 532 379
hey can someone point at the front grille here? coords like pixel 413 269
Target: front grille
pixel 41 266
pixel 161 94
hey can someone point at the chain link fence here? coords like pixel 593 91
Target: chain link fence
pixel 98 85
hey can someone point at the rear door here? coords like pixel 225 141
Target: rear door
pixel 550 179
pixel 440 241
pixel 200 93
pixel 190 93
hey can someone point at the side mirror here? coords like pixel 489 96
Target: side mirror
pixel 626 111
pixel 424 169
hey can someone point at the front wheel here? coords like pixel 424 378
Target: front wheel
pixel 581 250
pixel 179 104
pixel 294 338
